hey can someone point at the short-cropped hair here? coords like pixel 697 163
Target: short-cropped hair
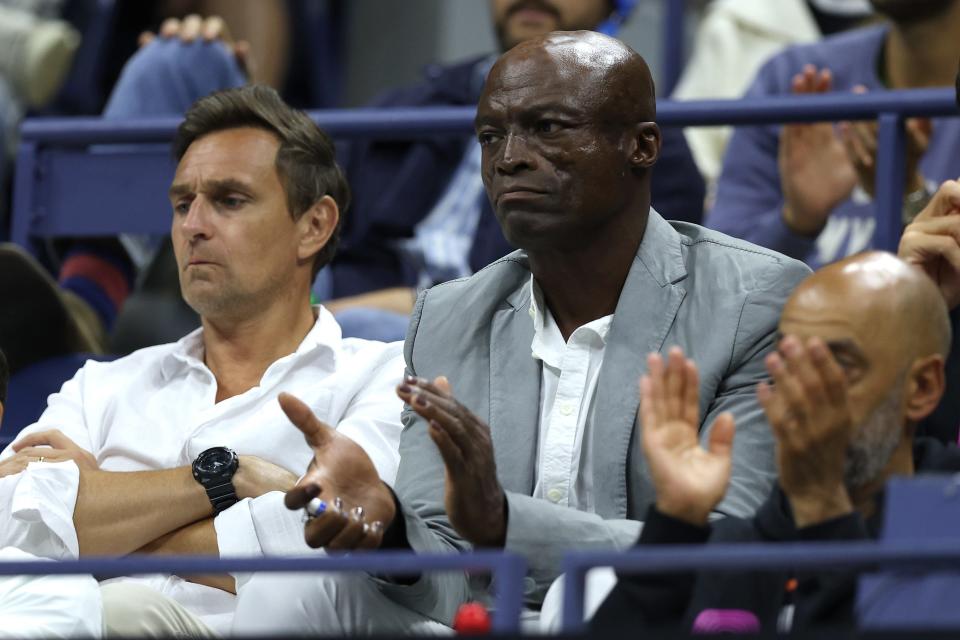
pixel 306 159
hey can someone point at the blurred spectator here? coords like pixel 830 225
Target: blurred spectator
pixel 734 39
pixel 420 215
pixel 847 394
pixel 806 190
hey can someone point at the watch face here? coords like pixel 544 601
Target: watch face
pixel 216 461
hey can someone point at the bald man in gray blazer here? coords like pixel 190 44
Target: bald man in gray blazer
pixel 521 428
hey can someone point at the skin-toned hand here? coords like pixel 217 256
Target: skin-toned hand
pixel 52 446
pixel 860 140
pixel 815 172
pixel 808 411
pixel 211 29
pixel 15 464
pixel 474 500
pixel 340 469
pixel 255 477
pixel 932 241
pixel 689 480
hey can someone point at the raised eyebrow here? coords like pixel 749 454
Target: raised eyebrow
pixel 178 190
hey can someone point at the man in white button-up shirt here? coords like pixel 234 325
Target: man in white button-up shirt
pixel 256 205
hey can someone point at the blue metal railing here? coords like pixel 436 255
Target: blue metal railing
pixel 59 173
pixel 925 554
pixel 508 570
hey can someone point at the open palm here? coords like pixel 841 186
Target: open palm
pixel 689 480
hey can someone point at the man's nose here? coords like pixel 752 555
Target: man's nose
pixel 515 155
pixel 195 223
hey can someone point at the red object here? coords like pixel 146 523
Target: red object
pixel 472 619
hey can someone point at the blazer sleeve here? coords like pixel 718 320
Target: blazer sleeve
pixel 753 470
pixel 420 491
pixel 544 532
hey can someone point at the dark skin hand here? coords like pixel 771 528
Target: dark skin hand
pixel 568 143
pixel 340 469
pixel 474 500
pixel 811 420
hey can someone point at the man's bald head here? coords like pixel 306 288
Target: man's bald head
pixel 886 297
pixel 618 74
pixel 887 326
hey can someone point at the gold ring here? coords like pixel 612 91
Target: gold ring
pixel 40 459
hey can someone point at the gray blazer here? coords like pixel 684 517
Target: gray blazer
pixel 716 297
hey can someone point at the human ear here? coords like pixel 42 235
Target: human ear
pixel 316 226
pixel 926 383
pixel 645 148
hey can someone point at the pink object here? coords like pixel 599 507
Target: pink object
pixel 726 621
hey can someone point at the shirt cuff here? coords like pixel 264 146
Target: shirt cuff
pixel 41 506
pixel 237 536
pixel 279 530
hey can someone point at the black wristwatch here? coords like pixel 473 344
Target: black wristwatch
pixel 214 469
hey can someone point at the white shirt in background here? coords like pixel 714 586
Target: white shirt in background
pixel 155 409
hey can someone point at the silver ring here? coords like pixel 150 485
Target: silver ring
pixel 357 513
pixel 338 504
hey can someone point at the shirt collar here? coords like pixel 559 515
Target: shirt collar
pixel 188 352
pixel 548 343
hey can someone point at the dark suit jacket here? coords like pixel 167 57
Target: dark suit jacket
pixel 395 185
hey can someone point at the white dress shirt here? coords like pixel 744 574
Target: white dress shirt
pixel 156 409
pixel 568 386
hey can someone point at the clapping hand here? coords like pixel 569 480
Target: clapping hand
pixel 932 241
pixel 861 141
pixel 350 507
pixel 816 173
pixel 689 480
pixel 474 500
pixel 808 411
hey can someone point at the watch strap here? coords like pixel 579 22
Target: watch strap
pixel 221 496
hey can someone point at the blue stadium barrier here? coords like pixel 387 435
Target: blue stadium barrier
pixel 674 43
pixel 930 554
pixel 508 570
pixel 117 172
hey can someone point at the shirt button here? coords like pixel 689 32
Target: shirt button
pixel 554 495
pixel 566 409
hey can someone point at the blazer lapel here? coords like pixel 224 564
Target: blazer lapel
pixel 645 312
pixel 514 393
